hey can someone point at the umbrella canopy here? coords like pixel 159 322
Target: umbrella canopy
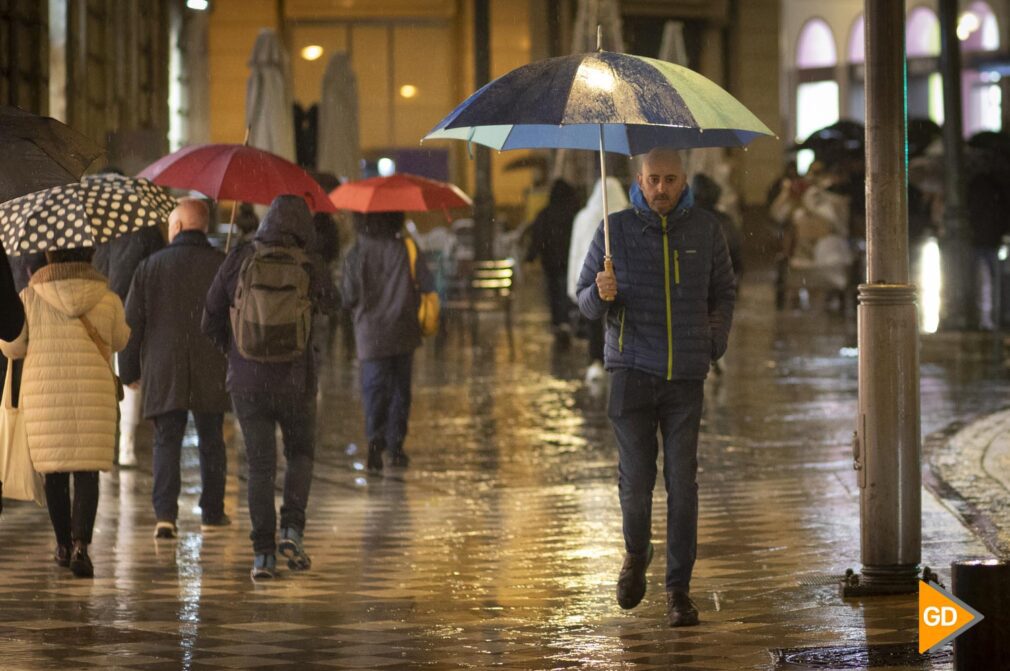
pixel 636 103
pixel 40 152
pixel 83 214
pixel 339 151
pixel 236 172
pixel 398 193
pixel 268 101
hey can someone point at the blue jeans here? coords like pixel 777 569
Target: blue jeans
pixel 259 413
pixel 639 405
pixel 169 428
pixel 385 390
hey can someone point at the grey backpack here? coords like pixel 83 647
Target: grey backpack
pixel 271 316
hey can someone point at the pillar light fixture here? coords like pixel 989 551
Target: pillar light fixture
pixel 408 91
pixel 198 5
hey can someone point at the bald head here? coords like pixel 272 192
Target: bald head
pixel 191 214
pixel 662 179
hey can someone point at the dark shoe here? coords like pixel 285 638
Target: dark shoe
pixel 632 581
pixel 80 562
pixel 292 548
pixel 375 457
pixel 62 555
pixel 264 567
pixel 680 610
pixel 216 523
pixel 399 459
pixel 165 530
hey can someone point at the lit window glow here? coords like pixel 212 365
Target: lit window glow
pixel 312 52
pixel 967 24
pixel 930 285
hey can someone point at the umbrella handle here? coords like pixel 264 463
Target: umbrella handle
pixel 608 268
pixel 234 203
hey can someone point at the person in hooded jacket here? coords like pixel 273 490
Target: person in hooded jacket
pixel 268 395
pixel 586 222
pixel 550 235
pixel 668 304
pixel 384 299
pixel 68 391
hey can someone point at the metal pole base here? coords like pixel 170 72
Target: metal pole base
pixel 882 581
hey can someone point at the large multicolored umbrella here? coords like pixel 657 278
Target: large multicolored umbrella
pixel 601 101
pixel 83 214
pixel 237 172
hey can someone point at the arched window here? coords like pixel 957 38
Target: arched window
pixel 816 46
pixel 857 41
pixel 922 33
pixel 978 30
pixel 817 89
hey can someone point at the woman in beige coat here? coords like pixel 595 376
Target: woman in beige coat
pixel 68 393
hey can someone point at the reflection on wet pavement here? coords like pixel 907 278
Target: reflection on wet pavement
pixel 500 546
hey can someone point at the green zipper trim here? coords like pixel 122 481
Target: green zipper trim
pixel 676 266
pixel 620 338
pixel 669 311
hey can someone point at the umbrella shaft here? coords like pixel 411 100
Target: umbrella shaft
pixel 603 183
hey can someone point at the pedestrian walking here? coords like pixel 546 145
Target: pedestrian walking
pixel 550 236
pixel 259 310
pixel 177 368
pixel 72 325
pixel 668 305
pixel 382 287
pixel 587 220
pixel 118 260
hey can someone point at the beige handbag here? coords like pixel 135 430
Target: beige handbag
pixel 20 481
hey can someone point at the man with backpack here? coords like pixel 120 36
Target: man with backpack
pixel 259 309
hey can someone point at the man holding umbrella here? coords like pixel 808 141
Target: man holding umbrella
pixel 668 304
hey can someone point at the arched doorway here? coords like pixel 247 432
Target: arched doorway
pixel 817 87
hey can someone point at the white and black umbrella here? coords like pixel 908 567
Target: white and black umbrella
pixel 83 214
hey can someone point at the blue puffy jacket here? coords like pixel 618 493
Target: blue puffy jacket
pixel 675 289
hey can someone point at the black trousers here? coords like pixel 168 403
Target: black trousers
pixel 168 433
pixel 72 522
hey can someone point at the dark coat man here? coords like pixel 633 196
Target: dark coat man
pixel 179 369
pixel 669 304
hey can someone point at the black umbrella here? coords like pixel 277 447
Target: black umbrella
pixel 842 139
pixel 921 134
pixel 83 214
pixel 40 152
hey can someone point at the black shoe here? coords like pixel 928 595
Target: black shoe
pixel 632 581
pixel 375 457
pixel 216 523
pixel 680 610
pixel 62 555
pixel 80 562
pixel 399 459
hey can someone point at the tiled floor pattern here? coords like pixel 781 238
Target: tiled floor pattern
pixel 499 547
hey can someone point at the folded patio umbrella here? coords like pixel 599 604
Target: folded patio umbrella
pixel 83 214
pixel 40 152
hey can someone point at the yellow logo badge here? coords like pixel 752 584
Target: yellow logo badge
pixel 942 616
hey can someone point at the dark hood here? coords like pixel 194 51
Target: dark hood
pixel 288 222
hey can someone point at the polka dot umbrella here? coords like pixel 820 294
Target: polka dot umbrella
pixel 82 214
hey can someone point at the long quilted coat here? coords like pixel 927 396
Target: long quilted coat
pixel 675 290
pixel 67 393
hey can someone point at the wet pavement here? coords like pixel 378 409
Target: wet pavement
pixel 499 547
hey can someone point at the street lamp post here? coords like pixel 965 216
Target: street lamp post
pixel 887 441
pixel 483 199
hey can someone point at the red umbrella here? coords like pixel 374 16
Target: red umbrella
pixel 236 172
pixel 398 193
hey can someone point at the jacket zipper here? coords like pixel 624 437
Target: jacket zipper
pixel 676 266
pixel 669 309
pixel 620 338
